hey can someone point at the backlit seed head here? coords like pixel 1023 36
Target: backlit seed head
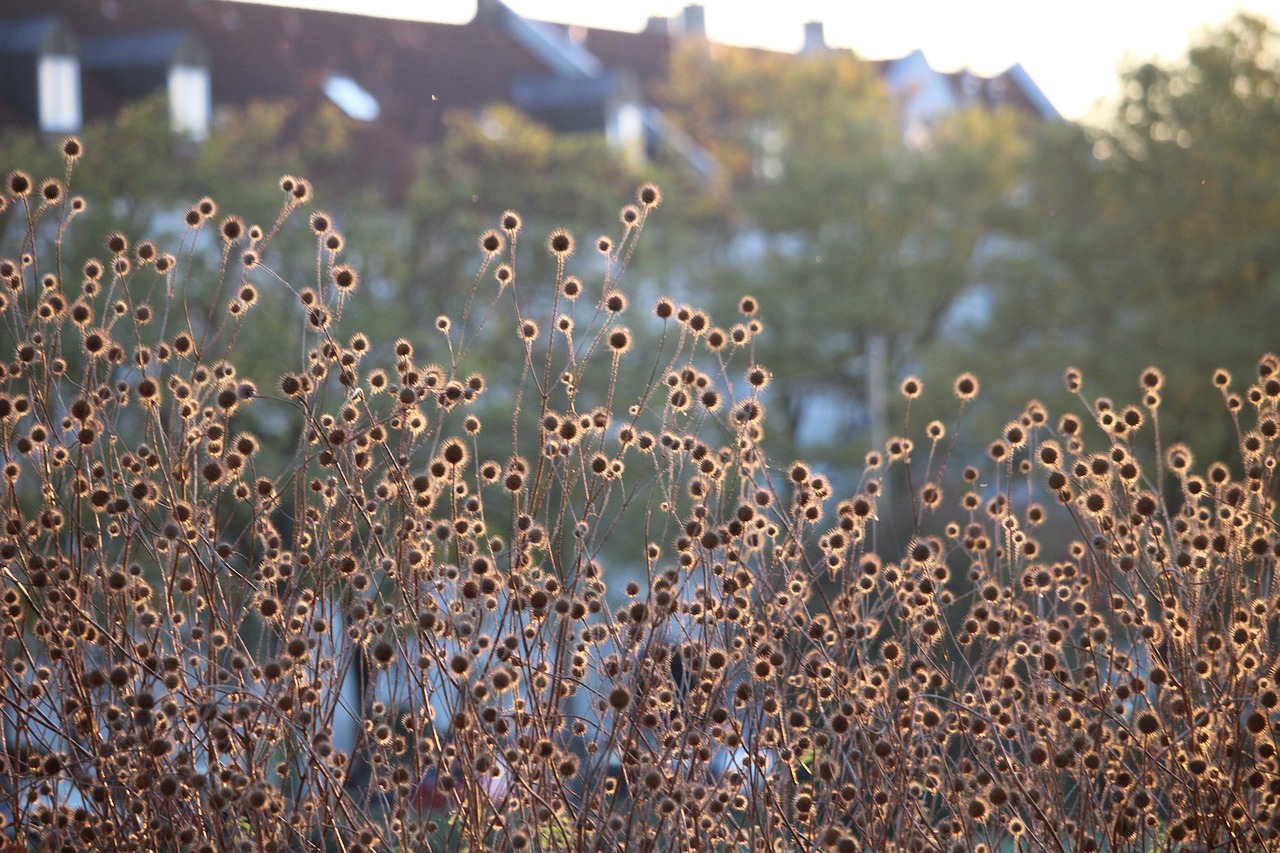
pixel 72 149
pixel 1179 458
pixel 758 377
pixel 560 243
pixel 232 229
pixel 615 302
pixel 966 386
pixel 18 184
pixel 620 341
pixel 301 192
pixel 51 191
pixel 649 195
pixel 455 453
pixel 344 278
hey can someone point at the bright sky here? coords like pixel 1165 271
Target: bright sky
pixel 1072 50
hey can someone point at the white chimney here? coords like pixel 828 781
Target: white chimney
pixel 814 40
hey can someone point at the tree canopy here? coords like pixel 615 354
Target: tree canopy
pixel 1153 237
pixel 847 232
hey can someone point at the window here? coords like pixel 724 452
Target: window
pixel 770 143
pixel 190 100
pixel 59 97
pixel 352 98
pixel 625 132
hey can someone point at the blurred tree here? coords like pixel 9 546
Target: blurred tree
pixel 853 239
pixel 151 174
pixel 500 160
pixel 140 178
pixel 1155 235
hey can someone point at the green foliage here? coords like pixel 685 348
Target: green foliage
pixel 1152 238
pixel 849 231
pixel 482 166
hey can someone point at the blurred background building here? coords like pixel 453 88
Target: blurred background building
pixel 73 61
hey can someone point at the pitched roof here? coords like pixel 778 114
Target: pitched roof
pixel 562 55
pixel 1011 88
pixel 645 55
pixel 143 48
pixel 929 92
pixel 407 73
pixel 260 51
pixel 27 36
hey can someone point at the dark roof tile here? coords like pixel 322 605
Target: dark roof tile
pixel 27 36
pixel 127 50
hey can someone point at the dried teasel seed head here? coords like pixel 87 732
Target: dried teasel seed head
pixel 649 195
pixel 72 148
pixel 321 223
pixel 491 243
pixel 18 184
pixel 560 243
pixel 966 386
pixel 620 341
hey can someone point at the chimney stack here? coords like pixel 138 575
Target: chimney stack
pixel 814 40
pixel 488 11
pixel 694 21
pixel 658 25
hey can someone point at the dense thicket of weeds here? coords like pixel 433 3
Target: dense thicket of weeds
pixel 399 637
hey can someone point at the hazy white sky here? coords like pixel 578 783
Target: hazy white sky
pixel 1072 50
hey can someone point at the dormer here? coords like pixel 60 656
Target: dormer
pixel 42 72
pixel 136 64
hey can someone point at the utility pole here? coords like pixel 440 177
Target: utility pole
pixel 878 390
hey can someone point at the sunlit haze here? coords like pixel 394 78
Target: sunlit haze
pixel 1073 51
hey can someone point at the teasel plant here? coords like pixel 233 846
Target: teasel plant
pixel 373 599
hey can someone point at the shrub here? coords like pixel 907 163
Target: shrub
pixel 412 631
